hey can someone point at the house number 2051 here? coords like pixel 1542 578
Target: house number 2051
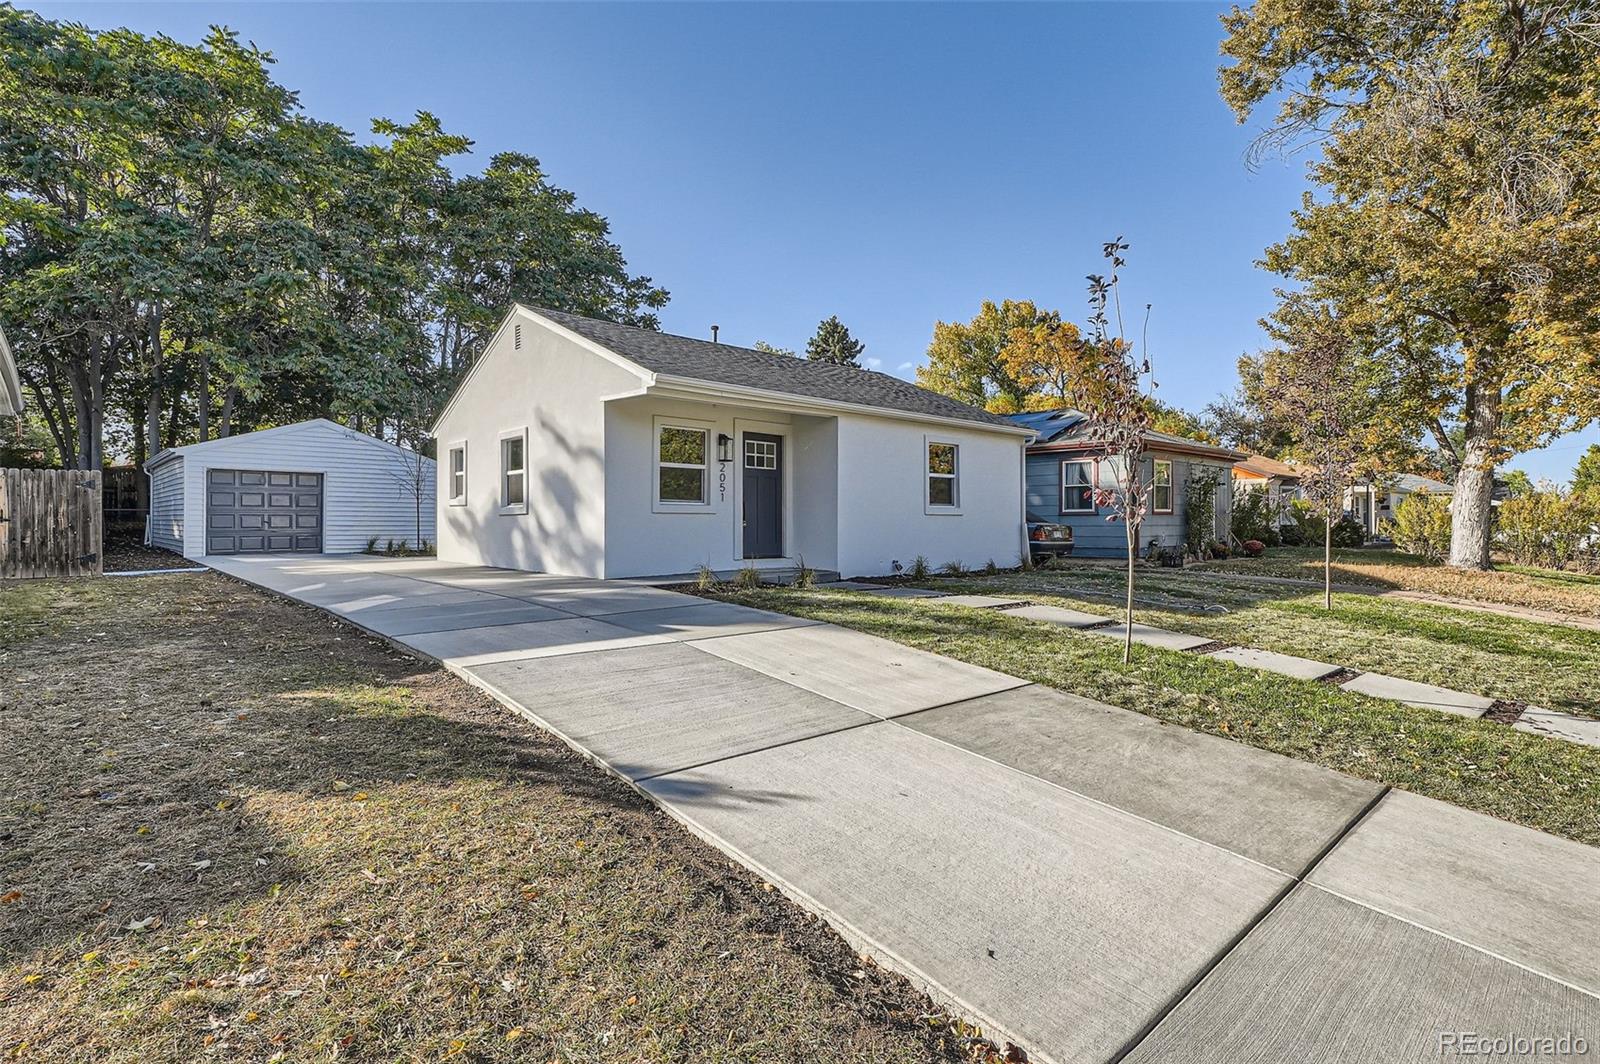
pixel 722 483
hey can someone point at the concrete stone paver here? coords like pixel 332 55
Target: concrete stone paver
pixel 1422 695
pixel 874 675
pixel 1518 893
pixel 981 602
pixel 1326 981
pixel 1573 729
pixel 655 709
pixel 1058 615
pixel 905 592
pixel 1063 923
pixel 1282 664
pixel 1269 808
pixel 1152 637
pixel 467 647
pixel 706 620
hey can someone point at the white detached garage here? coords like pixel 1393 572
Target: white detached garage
pixel 315 487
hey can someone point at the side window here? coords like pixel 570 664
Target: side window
pixel 514 472
pixel 458 474
pixel 1161 493
pixel 944 465
pixel 1077 487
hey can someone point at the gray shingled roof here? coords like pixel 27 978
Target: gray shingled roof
pixel 743 367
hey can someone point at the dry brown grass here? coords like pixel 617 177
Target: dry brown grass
pixel 1539 589
pixel 231 829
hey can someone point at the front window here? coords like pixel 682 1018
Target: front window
pixel 458 474
pixel 1161 492
pixel 1077 488
pixel 681 465
pixel 514 472
pixel 943 459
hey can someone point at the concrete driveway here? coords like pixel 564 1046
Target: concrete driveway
pixel 1082 880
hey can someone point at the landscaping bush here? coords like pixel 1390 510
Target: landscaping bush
pixel 1347 532
pixel 1220 549
pixel 1291 536
pixel 1254 548
pixel 1548 527
pixel 1199 512
pixel 1421 525
pixel 920 569
pixel 1254 516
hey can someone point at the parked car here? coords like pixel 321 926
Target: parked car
pixel 1048 538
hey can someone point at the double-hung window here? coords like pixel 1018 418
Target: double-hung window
pixel 944 472
pixel 681 479
pixel 1161 486
pixel 1077 487
pixel 458 474
pixel 514 472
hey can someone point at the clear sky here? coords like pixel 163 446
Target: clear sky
pixel 894 164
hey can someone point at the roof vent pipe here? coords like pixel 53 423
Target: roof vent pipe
pixel 714 329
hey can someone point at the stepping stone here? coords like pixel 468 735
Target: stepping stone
pixel 1282 664
pixel 1508 890
pixel 1573 729
pixel 1154 637
pixel 1057 615
pixel 907 592
pixel 1422 695
pixel 982 602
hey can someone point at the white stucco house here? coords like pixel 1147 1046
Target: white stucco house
pixel 583 447
pixel 314 487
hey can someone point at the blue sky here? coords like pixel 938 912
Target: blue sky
pixel 894 164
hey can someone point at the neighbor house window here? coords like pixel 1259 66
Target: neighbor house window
pixel 514 472
pixel 943 473
pixel 458 474
pixel 1161 488
pixel 1077 487
pixel 681 465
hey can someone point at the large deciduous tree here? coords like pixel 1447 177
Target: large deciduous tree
pixel 967 360
pixel 1458 227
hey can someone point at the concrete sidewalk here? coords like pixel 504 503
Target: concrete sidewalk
pixel 1081 880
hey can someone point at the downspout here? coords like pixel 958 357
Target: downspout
pixel 150 494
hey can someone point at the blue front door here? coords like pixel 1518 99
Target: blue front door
pixel 763 496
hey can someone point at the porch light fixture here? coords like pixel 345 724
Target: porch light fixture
pixel 724 447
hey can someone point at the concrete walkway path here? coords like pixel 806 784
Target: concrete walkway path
pixel 1079 879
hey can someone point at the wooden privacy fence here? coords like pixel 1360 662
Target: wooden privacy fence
pixel 49 523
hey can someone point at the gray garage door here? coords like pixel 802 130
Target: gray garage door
pixel 250 510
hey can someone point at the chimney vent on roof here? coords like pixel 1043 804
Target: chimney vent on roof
pixel 714 329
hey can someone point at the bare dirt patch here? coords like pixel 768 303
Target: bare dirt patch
pixel 233 829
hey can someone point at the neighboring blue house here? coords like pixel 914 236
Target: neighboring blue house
pixel 1064 467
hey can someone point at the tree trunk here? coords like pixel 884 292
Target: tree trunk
pixel 1470 510
pixel 1327 560
pixel 152 412
pixel 1127 636
pixel 203 407
pixel 227 411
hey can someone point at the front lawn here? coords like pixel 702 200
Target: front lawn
pixel 1511 585
pixel 1480 764
pixel 232 829
pixel 1547 665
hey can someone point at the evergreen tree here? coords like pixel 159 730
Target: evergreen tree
pixel 833 343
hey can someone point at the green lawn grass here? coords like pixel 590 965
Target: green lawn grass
pixel 1483 765
pixel 1547 665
